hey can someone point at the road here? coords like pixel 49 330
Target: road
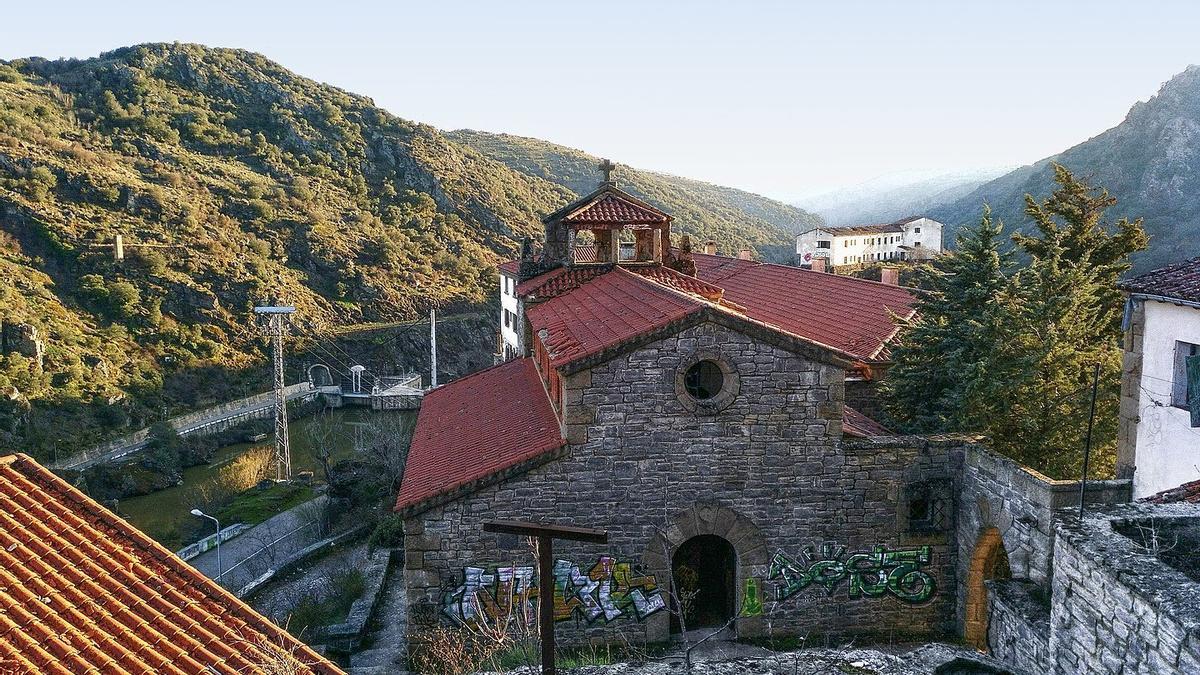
pixel 248 555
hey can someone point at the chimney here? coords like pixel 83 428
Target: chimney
pixel 818 264
pixel 710 247
pixel 745 254
pixel 890 275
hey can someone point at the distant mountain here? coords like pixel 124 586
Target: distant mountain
pixel 895 196
pixel 734 218
pixel 1150 162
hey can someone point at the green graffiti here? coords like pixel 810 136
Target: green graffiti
pixel 873 575
pixel 752 603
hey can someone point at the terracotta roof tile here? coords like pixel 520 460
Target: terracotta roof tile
pixel 680 282
pixel 1180 281
pixel 477 427
pixel 857 424
pixel 1188 492
pixel 849 314
pixel 604 312
pixel 83 591
pixel 614 210
pixel 560 280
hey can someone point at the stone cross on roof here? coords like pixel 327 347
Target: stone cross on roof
pixel 607 167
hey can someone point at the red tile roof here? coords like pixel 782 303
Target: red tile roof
pixel 680 282
pixel 82 591
pixel 1187 493
pixel 857 424
pixel 608 206
pixel 615 211
pixel 603 313
pixel 475 428
pixel 559 281
pixel 849 314
pixel 1180 281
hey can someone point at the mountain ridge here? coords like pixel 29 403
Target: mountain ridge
pixel 1150 162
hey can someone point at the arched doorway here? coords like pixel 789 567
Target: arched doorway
pixel 319 375
pixel 989 561
pixel 704 569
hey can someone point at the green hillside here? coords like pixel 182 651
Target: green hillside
pixel 254 184
pixel 734 218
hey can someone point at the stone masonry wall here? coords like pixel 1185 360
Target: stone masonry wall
pixel 769 473
pixel 1019 625
pixel 1117 609
pixel 1021 504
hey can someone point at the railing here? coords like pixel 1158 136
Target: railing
pixel 189 423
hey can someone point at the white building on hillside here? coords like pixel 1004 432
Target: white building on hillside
pixel 1158 440
pixel 915 238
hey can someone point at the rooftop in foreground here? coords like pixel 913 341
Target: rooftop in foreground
pixel 82 591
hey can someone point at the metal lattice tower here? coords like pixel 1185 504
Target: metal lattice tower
pixel 276 329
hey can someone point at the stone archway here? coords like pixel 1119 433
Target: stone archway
pixel 319 375
pixel 704 569
pixel 739 532
pixel 989 561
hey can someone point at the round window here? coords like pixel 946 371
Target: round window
pixel 704 380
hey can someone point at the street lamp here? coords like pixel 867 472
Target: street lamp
pixel 200 514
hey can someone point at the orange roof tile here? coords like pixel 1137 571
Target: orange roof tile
pixel 82 591
pixel 476 427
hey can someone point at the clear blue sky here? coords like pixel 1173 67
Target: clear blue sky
pixel 784 99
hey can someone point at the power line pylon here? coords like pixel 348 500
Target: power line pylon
pixel 276 329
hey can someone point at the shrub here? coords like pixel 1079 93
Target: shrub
pixel 41 182
pixel 389 533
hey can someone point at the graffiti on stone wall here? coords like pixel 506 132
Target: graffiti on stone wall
pixel 608 590
pixel 873 574
pixel 752 601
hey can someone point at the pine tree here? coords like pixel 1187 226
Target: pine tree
pixel 1068 323
pixel 949 359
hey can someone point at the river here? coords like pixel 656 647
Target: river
pixel 341 430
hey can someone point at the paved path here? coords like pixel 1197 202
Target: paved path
pixel 248 555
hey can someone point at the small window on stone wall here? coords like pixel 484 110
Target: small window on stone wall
pixel 704 380
pixel 927 511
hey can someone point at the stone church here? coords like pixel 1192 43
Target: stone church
pixel 714 415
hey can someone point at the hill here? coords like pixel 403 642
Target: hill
pixel 892 197
pixel 1150 162
pixel 701 209
pixel 253 184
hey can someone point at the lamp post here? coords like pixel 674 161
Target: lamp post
pixel 200 514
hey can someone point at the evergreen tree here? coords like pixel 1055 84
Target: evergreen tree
pixel 1073 219
pixel 948 361
pixel 1067 324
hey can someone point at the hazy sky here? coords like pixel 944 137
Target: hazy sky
pixel 785 99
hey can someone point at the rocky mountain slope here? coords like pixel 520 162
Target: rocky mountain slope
pixel 233 182
pixel 1150 162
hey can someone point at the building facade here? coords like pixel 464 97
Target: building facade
pixel 1159 430
pixel 695 408
pixel 915 238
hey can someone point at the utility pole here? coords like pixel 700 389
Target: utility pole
pixel 1087 445
pixel 276 329
pixel 432 347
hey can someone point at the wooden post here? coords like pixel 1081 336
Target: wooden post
pixel 545 535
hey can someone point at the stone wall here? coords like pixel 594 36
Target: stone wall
pixel 1118 609
pixel 996 492
pixel 766 469
pixel 1018 631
